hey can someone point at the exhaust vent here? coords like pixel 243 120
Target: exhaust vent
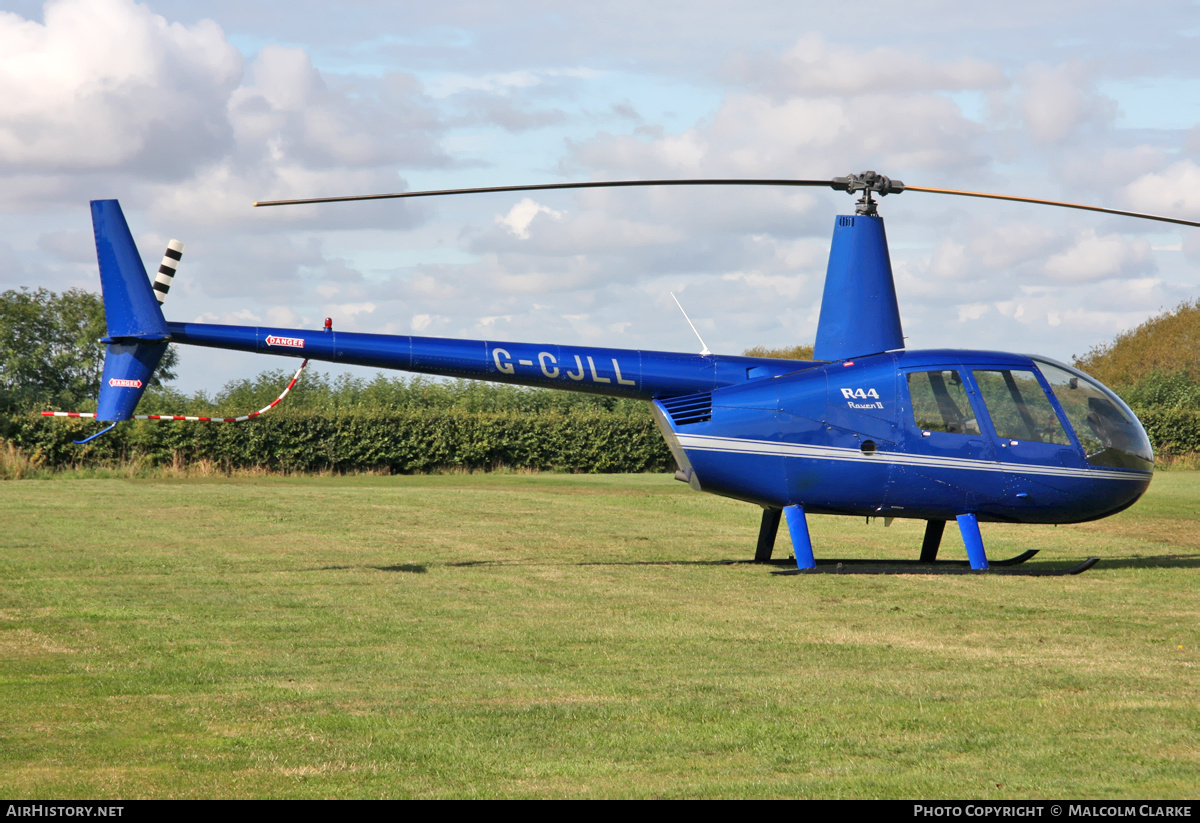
pixel 689 408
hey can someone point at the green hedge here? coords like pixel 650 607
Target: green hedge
pixel 1174 432
pixel 403 442
pixel 416 441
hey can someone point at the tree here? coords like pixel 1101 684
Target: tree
pixel 50 354
pixel 804 352
pixel 1167 343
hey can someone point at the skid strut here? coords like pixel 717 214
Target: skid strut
pixel 767 531
pixel 933 540
pixel 928 563
pixel 801 542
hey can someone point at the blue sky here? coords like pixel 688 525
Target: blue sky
pixel 188 112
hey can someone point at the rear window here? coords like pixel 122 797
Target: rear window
pixel 940 403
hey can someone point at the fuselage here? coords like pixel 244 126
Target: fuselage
pixel 922 434
pixel 917 434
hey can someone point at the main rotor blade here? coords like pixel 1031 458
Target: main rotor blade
pixel 598 184
pixel 1055 203
pixel 868 181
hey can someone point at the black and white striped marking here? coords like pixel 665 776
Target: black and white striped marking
pixel 166 270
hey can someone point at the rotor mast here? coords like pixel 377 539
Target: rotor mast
pixel 860 314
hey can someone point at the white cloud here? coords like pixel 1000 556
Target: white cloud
pixel 813 66
pixel 449 84
pixel 284 317
pixel 290 112
pixel 1174 192
pixel 949 260
pixel 1095 258
pixel 791 286
pixel 759 135
pixel 446 85
pixel 421 323
pixel 587 232
pixel 522 214
pixel 74 246
pixel 348 315
pixel 972 311
pixel 107 83
pixel 1058 100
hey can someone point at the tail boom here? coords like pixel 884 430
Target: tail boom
pixel 615 372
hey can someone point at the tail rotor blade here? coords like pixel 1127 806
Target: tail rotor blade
pixel 167 270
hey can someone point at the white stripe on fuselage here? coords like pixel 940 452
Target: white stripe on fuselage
pixel 693 442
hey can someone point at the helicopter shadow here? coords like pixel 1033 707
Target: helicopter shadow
pixel 411 568
pixel 473 563
pixel 1161 561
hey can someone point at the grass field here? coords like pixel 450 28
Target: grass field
pixel 574 636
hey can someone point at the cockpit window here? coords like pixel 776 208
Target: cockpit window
pixel 1019 407
pixel 1108 431
pixel 940 403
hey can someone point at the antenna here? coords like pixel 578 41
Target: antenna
pixel 704 346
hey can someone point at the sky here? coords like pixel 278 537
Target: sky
pixel 188 112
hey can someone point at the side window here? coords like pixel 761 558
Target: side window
pixel 1018 407
pixel 940 403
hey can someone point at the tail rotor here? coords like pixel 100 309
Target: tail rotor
pixel 167 269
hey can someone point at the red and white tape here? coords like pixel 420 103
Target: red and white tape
pixel 249 416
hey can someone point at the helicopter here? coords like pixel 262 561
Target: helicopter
pixel 867 428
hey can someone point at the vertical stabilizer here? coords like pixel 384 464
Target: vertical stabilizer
pixel 130 307
pixel 859 313
pixel 137 332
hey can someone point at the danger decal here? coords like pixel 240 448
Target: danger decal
pixel 291 342
pixel 125 384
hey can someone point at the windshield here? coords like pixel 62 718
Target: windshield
pixel 1107 429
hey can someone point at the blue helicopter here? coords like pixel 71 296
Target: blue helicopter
pixel 864 429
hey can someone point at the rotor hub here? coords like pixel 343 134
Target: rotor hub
pixel 869 183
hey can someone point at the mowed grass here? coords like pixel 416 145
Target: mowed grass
pixel 574 636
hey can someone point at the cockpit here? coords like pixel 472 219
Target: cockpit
pixel 1021 410
pixel 1107 429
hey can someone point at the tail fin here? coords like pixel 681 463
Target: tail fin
pixel 137 331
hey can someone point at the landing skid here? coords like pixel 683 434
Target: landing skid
pixel 859 561
pixel 939 567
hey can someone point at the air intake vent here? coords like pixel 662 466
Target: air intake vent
pixel 845 220
pixel 690 408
